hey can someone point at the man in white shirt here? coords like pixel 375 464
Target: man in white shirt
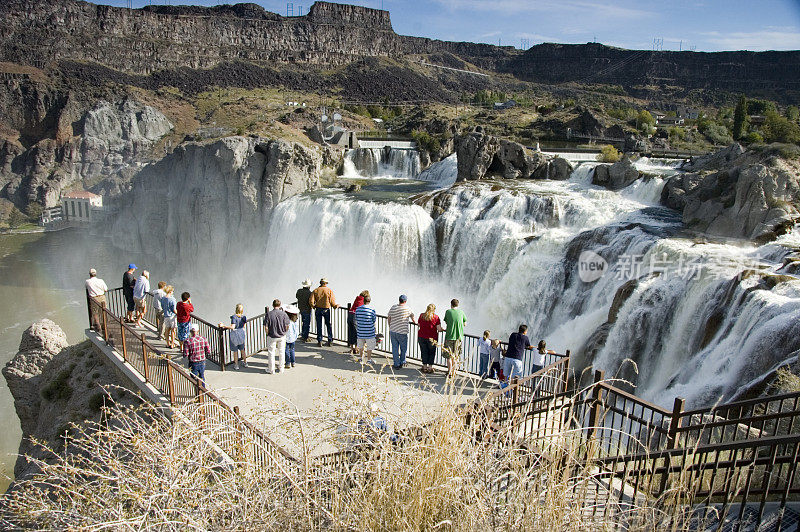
pixel 140 290
pixel 96 288
pixel 400 316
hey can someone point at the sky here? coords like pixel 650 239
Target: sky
pixel 701 25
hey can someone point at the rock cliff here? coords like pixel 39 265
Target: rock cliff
pixel 64 142
pixel 210 199
pixel 615 176
pixel 738 194
pixel 483 156
pixel 53 385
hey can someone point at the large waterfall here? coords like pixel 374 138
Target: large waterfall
pixel 512 253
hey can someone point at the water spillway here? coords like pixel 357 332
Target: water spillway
pixel 381 162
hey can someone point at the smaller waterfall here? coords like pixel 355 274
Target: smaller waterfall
pixel 381 162
pixel 443 173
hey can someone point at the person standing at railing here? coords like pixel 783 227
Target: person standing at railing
pixel 97 289
pixel 303 296
pixel 128 283
pixel 323 300
pixel 158 295
pixel 518 342
pixel 197 349
pixel 352 335
pixel 495 357
pixel 292 333
pixel 365 329
pixel 184 313
pixel 276 323
pixel 455 319
pixel 400 316
pixel 539 355
pixel 168 306
pixel 140 290
pixel 484 347
pixel 237 336
pixel 429 328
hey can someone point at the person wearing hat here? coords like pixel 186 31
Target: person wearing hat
pixel 128 284
pixel 196 348
pixel 96 288
pixel 400 316
pixel 140 291
pixel 323 301
pixel 303 295
pixel 292 333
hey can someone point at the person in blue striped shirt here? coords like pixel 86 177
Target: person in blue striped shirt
pixel 365 330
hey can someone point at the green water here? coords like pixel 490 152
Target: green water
pixel 41 276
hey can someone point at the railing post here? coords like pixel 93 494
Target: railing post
pixel 122 339
pixel 170 382
pixel 145 364
pixel 239 434
pixel 675 421
pixel 566 372
pixel 514 390
pixel 597 395
pixel 221 335
pixel 89 307
pixel 105 323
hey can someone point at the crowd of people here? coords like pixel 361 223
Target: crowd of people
pixel 286 325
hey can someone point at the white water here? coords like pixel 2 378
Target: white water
pixel 509 253
pixel 381 162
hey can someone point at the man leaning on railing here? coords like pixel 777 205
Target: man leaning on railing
pixel 97 289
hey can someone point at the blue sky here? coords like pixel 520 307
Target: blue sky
pixel 704 25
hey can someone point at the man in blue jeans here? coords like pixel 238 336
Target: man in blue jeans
pixel 303 295
pixel 400 316
pixel 517 344
pixel 196 348
pixel 323 301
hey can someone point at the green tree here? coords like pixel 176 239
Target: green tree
pixel 16 218
pixel 793 113
pixel 677 133
pixel 645 122
pixel 754 137
pixel 609 154
pixel 740 119
pixel 760 107
pixel 780 129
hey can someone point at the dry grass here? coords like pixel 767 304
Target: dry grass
pixel 786 381
pixel 148 472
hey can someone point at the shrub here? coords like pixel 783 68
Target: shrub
pixel 426 141
pixel 780 129
pixel 677 133
pixel 760 107
pixel 59 388
pixel 718 134
pixel 16 218
pixel 754 137
pixel 740 118
pixel 793 113
pixel 609 154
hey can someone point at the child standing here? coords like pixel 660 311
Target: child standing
pixel 170 318
pixel 484 344
pixel 292 333
pixel 495 353
pixel 184 311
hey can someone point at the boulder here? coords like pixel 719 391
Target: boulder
pixel 716 160
pixel 616 176
pixel 754 197
pixel 480 156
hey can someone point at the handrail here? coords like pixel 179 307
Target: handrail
pixel 742 403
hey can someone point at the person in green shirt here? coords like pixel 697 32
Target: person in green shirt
pixel 453 336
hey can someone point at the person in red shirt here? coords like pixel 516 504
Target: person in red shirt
pixel 429 328
pixel 352 337
pixel 184 311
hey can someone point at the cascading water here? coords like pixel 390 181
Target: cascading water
pixel 511 251
pixel 381 162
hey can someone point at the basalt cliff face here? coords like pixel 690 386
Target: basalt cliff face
pixel 211 201
pixel 154 38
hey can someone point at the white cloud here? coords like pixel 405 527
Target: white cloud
pixel 766 39
pixel 592 8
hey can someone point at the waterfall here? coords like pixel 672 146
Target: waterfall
pixel 442 173
pixel 381 162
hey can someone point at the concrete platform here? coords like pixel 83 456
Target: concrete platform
pixel 329 391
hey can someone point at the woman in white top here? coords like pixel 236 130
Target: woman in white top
pixel 237 335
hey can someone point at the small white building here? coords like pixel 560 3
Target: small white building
pixel 79 205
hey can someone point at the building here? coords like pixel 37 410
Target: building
pixel 498 106
pixel 51 215
pixel 670 121
pixel 80 206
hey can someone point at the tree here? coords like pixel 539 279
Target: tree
pixel 779 129
pixel 645 122
pixel 16 218
pixel 609 154
pixel 793 113
pixel 740 119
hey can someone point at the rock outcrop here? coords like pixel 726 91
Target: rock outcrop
pixel 616 176
pixel 53 385
pixel 208 199
pixel 483 156
pixel 99 149
pixel 753 195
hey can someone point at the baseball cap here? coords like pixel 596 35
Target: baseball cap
pixel 131 266
pixel 195 327
pixel 92 272
pixel 404 298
